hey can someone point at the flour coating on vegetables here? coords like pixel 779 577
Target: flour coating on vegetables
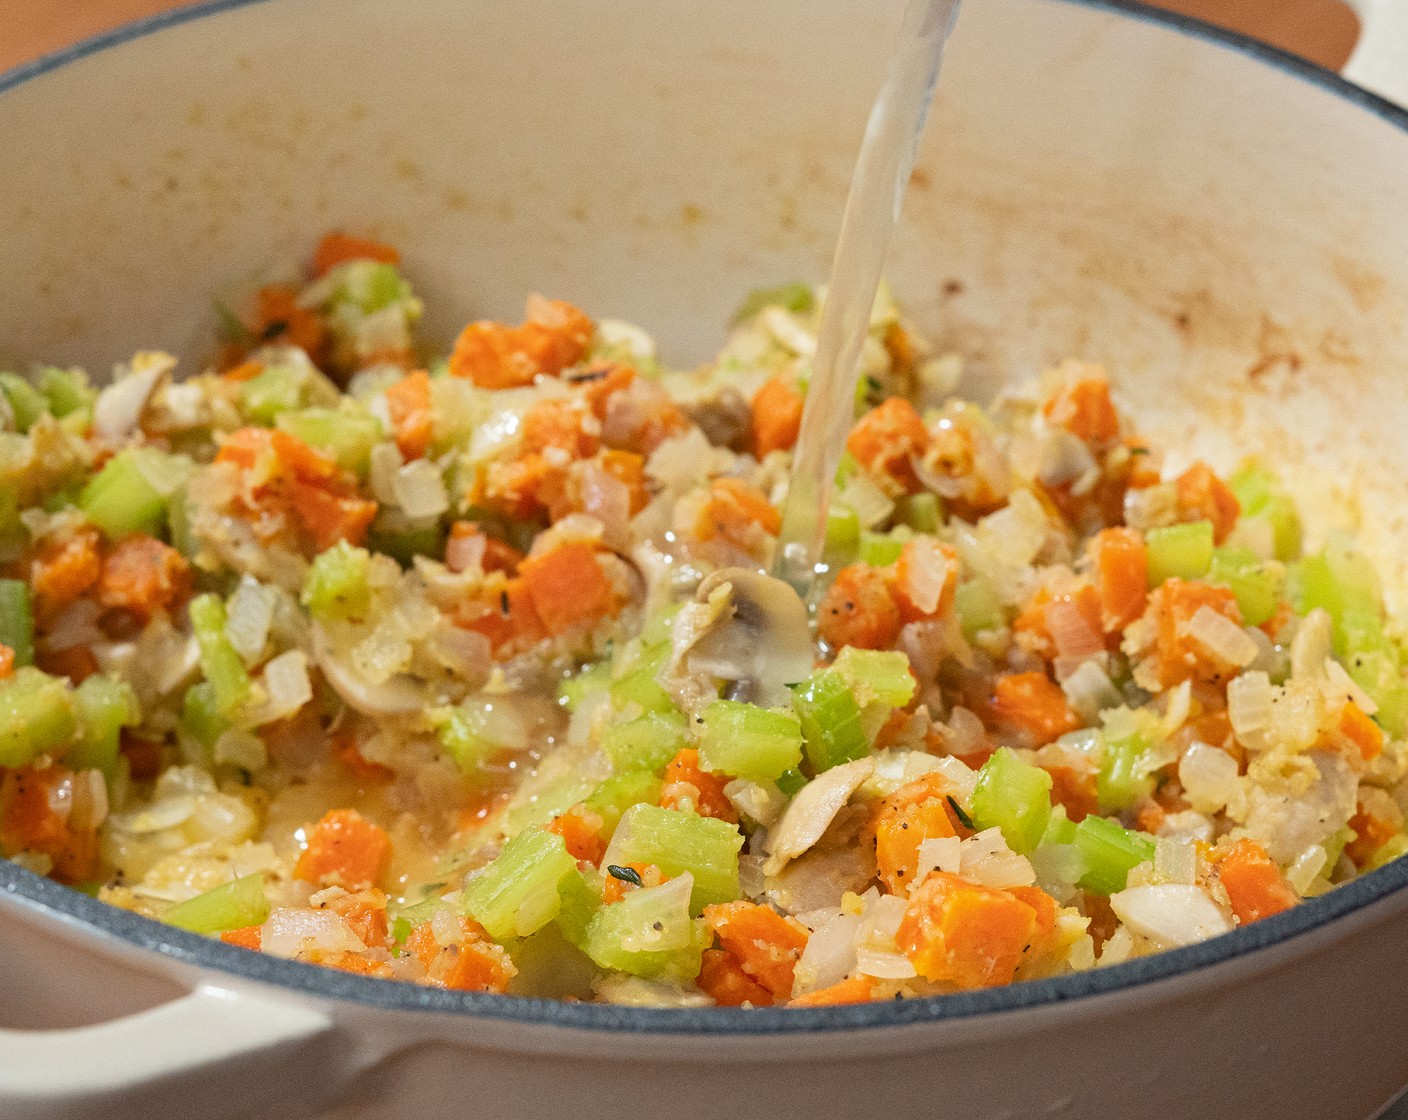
pixel 464 670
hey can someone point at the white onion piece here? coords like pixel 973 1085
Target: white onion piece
pixel 884 965
pixel 1339 679
pixel 400 695
pixel 1072 633
pixel 1090 691
pixel 118 409
pixel 927 571
pixel 1221 637
pixel 674 931
pixel 251 611
pixel 762 801
pixel 289 932
pixel 1175 861
pixel 286 686
pixel 939 853
pixel 812 810
pixel 162 814
pixel 1209 777
pixel 987 859
pixel 1306 866
pixel 1312 644
pixel 419 490
pixel 1171 914
pixel 386 463
pixel 863 495
pixel 1249 707
pixel 829 956
pixel 240 748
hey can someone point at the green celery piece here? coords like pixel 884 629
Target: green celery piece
pixel 640 686
pixel 795 297
pixel 1179 551
pixel 68 391
pixel 923 513
pixel 467 735
pixel 678 842
pixel 404 545
pixel 274 390
pixel 1060 829
pixel 347 433
pixel 37 716
pixel 1340 580
pixel 219 661
pixel 879 550
pixel 659 628
pixel 1110 854
pixel 749 742
pixel 105 707
pixel 517 894
pixel 842 535
pixel 371 285
pixel 178 522
pixel 336 586
pixel 26 402
pixel 790 782
pixel 200 715
pixel 830 717
pixel 17 620
pixel 549 801
pixel 408 917
pixel 978 608
pixel 1260 495
pixel 1379 672
pixel 578 904
pixel 1393 848
pixel 13 534
pixel 646 743
pixel 1014 796
pixel 1258 589
pixel 232 906
pixel 876 676
pixel 591 680
pixel 846 469
pixel 648 933
pixel 616 794
pixel 1117 784
pixel 120 500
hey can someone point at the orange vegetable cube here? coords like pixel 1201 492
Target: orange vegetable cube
pixel 958 932
pixel 1202 496
pixel 686 785
pixel 344 849
pixel 777 416
pixel 859 610
pixel 1032 703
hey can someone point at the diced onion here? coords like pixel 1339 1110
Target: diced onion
pixel 1335 674
pixel 250 612
pixel 884 965
pixel 420 490
pixel 1249 707
pixel 987 858
pixel 862 494
pixel 289 932
pixel 1175 861
pixel 1221 637
pixel 939 853
pixel 1070 630
pixel 386 463
pixel 1312 644
pixel 927 571
pixel 1208 776
pixel 287 685
pixel 762 801
pixel 829 956
pixel 240 748
pixel 1306 866
pixel 1090 691
pixel 1171 914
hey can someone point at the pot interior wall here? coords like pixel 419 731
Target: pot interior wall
pixel 1225 235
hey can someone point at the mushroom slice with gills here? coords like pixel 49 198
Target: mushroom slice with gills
pixel 759 642
pixel 400 695
pixel 813 810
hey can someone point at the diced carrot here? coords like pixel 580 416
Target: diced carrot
pixel 493 555
pixel 554 336
pixel 1362 731
pixel 521 488
pixel 735 511
pixel 555 422
pixel 1273 626
pixel 858 989
pixel 329 517
pixel 764 943
pixel 721 977
pixel 777 416
pixel 35 807
pixel 1254 884
pixel 568 587
pixel 245 371
pixel 1032 703
pixel 7 662
pixel 1202 496
pixel 1039 633
pixel 280 318
pixel 1083 407
pixel 1371 832
pixel 629 468
pixel 64 569
pixel 1176 656
pixel 338 248
pixel 1145 467
pixel 408 402
pixel 686 785
pixel 246 937
pixel 142 575
pixel 365 915
pixel 305 463
pixel 1046 910
pixel 958 932
pixel 344 749
pixel 859 610
pixel 925 579
pixel 506 616
pixel 906 818
pixel 347 960
pixel 580 829
pixel 884 439
pixel 904 352
pixel 603 384
pixel 1075 789
pixel 344 849
pixel 477 966
pixel 1121 567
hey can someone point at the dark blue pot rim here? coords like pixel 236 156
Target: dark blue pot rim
pixel 83 914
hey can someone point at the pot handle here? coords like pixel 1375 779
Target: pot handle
pixel 212 1053
pixel 1380 59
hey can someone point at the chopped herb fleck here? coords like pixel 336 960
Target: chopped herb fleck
pixel 963 818
pixel 625 874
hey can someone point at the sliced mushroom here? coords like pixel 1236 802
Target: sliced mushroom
pixel 119 407
pixel 401 695
pixel 813 810
pixel 756 636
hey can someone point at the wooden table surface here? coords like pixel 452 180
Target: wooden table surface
pixel 1321 30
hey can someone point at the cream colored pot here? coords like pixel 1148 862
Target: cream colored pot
pixel 1223 226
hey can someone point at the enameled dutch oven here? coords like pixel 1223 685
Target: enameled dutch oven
pixel 1224 226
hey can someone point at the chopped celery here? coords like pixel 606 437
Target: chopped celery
pixel 347 433
pixel 517 894
pixel 640 686
pixel 842 535
pixel 549 801
pixel 1379 672
pixel 578 903
pixel 790 782
pixel 13 534
pixel 68 391
pixel 678 842
pixel 590 681
pixel 26 402
pixel 1260 495
pixel 473 733
pixel 16 620
pixel 795 297
pixel 36 716
pixel 659 627
pixel 1110 854
pixel 616 794
pixel 1060 829
pixel 1340 580
pixel 876 676
pixel 404 545
pixel 219 661
pixel 178 520
pixel 923 513
pixel 830 719
pixel 746 741
pixel 1258 589
pixel 846 468
pixel 336 586
pixel 879 550
pixel 105 707
pixel 1392 849
pixel 1014 796
pixel 978 608
pixel 1182 551
pixel 120 500
pixel 1119 784
pixel 274 390
pixel 649 933
pixel 369 285
pixel 200 716
pixel 232 906
pixel 646 743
